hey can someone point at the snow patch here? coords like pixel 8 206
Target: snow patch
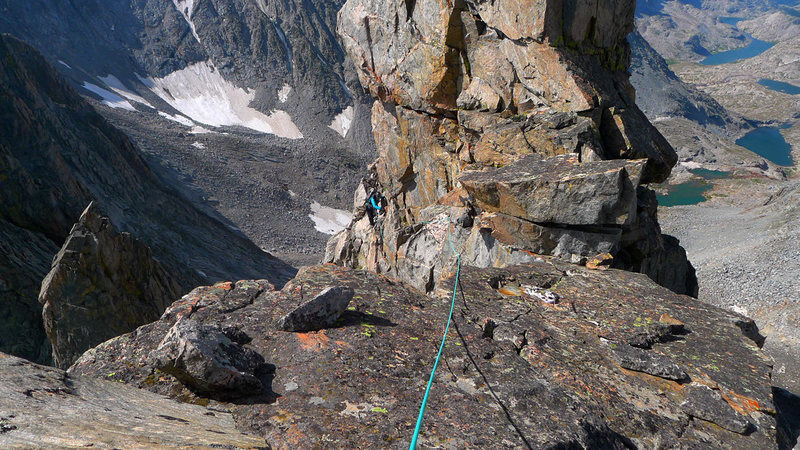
pixel 201 93
pixel 186 8
pixel 117 86
pixel 109 98
pixel 292 193
pixel 285 42
pixel 200 130
pixel 65 64
pixel 283 93
pixel 177 118
pixel 342 122
pixel 329 220
pixel 344 87
pixel 262 6
pixel 739 310
pixel 691 165
pixel 199 145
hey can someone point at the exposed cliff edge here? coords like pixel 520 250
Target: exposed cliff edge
pixel 616 362
pixel 514 122
pixel 57 154
pixel 103 283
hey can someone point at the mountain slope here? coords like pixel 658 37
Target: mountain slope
pixel 229 96
pixel 57 154
pixel 660 93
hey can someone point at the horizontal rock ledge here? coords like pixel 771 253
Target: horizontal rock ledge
pixel 546 190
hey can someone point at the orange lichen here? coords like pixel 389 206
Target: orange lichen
pixel 314 341
pixel 227 285
pixel 740 403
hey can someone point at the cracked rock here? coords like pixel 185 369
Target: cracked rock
pixel 633 358
pixel 707 404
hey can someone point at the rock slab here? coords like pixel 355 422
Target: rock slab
pixel 42 407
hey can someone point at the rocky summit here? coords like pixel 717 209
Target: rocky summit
pixel 616 361
pixel 515 124
pixel 103 283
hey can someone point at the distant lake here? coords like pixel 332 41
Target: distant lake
pixel 731 20
pixel 769 143
pixel 780 86
pixel 755 48
pixel 709 174
pixel 688 193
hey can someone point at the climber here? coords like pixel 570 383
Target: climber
pixel 375 205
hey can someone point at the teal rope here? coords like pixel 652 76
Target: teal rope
pixel 413 445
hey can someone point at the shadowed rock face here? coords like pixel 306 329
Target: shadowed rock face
pixel 102 284
pixel 57 154
pixel 519 109
pixel 615 362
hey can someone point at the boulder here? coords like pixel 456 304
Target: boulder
pixel 102 284
pixel 641 360
pixel 571 244
pixel 318 313
pixel 206 360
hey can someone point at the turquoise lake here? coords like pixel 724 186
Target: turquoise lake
pixel 709 174
pixel 769 143
pixel 780 86
pixel 688 193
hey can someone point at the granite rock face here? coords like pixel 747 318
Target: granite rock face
pixel 522 110
pixel 617 362
pixel 103 283
pixel 43 407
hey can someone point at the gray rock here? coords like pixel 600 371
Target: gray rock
pixel 547 191
pixel 103 283
pixel 641 360
pixel 203 358
pixel 707 404
pixel 318 313
pixel 42 407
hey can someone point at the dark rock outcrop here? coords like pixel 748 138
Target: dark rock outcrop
pixel 42 407
pixel 517 370
pixel 533 120
pixel 103 283
pixel 57 154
